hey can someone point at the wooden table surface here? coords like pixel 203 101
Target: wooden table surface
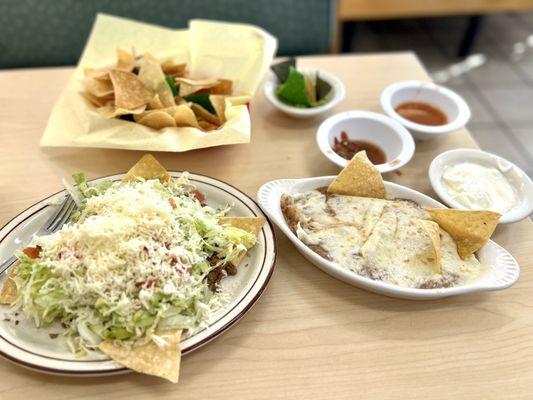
pixel 309 336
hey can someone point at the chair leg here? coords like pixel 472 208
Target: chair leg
pixel 348 32
pixel 469 38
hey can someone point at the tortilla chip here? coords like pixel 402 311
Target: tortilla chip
pixel 110 111
pixel 151 74
pixel 248 224
pixel 169 110
pixel 98 88
pixel 224 86
pixel 98 101
pixel 149 358
pixel 184 116
pixel 179 101
pixel 432 230
pixel 147 168
pixel 310 88
pixel 130 92
pixel 125 60
pixel 8 294
pixel 323 88
pixel 359 178
pixel 238 100
pixel 204 114
pixel 207 126
pixel 190 86
pixel 219 104
pixel 101 74
pixel 169 67
pixel 155 103
pixel 157 119
pixel 470 229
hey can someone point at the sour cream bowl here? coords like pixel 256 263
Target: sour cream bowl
pixel 517 179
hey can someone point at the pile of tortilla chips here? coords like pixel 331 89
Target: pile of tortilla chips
pixel 156 94
pixel 149 358
pixel 209 50
pixel 470 229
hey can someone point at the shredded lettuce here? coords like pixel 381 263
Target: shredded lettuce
pixel 132 261
pixel 85 190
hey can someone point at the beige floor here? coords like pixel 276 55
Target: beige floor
pixel 499 92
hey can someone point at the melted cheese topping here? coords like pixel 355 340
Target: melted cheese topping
pixel 380 239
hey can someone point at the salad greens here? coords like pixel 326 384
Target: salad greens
pixel 133 261
pixel 299 89
pixel 294 90
pixel 170 82
pixel 282 69
pixel 201 99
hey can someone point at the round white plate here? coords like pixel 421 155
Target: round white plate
pixel 33 348
pixel 502 272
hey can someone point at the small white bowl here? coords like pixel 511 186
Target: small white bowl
pixel 516 177
pixel 453 105
pixel 337 88
pixel 395 141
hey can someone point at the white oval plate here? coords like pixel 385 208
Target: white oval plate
pixel 32 348
pixel 502 273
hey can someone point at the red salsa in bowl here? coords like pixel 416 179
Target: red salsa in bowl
pixel 422 113
pixel 347 148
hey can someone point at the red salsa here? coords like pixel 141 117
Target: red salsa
pixel 422 113
pixel 348 148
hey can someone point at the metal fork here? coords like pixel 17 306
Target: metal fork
pixel 58 218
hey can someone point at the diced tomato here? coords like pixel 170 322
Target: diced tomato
pixel 344 136
pixel 149 283
pixel 32 252
pixel 198 195
pixel 172 202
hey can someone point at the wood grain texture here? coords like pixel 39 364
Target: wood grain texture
pixel 353 10
pixel 309 336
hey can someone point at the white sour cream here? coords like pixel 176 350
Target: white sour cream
pixel 479 188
